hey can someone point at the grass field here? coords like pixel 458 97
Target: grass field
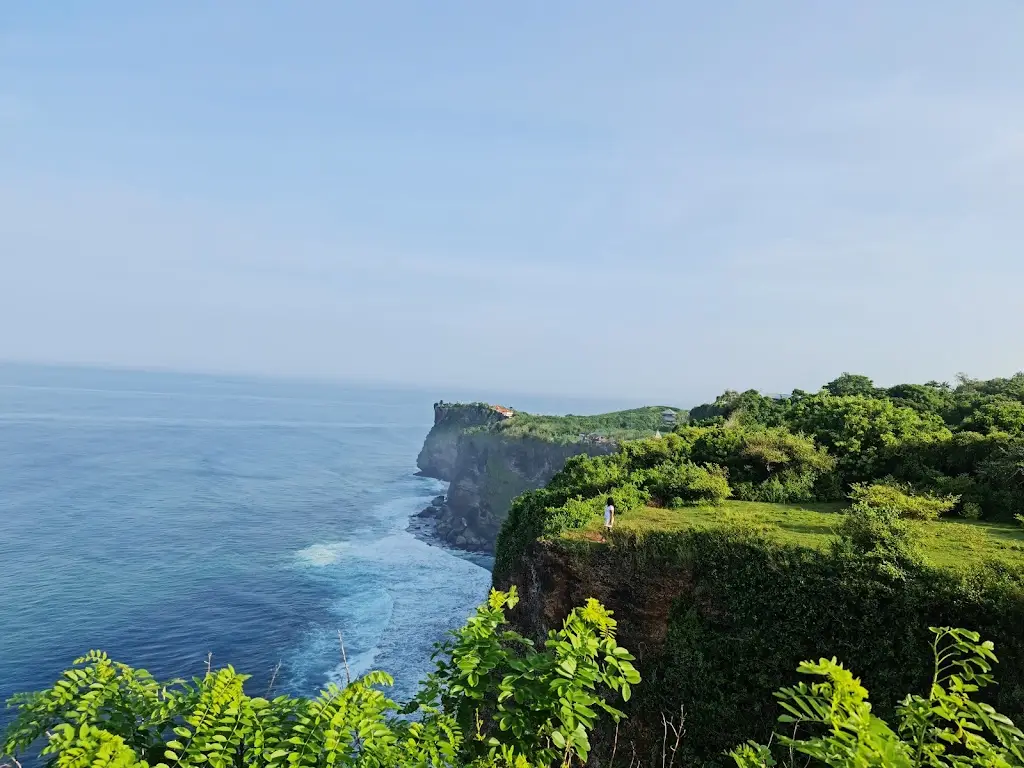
pixel 619 425
pixel 948 543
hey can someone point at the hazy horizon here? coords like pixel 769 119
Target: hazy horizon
pixel 646 204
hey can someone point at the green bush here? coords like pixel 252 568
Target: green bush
pixel 687 481
pixel 900 500
pixel 588 476
pixel 764 463
pixel 859 430
pixel 575 513
pixel 970 510
pixel 778 490
pixel 880 535
pixel 628 497
pixel 832 722
pixel 493 701
pixel 645 454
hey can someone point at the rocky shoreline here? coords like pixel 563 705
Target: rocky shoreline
pixel 437 525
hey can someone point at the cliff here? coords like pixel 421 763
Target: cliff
pixel 486 467
pixel 440 450
pixel 719 620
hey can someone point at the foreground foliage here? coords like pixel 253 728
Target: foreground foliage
pixel 831 722
pixel 493 700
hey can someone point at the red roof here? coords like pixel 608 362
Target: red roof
pixel 503 410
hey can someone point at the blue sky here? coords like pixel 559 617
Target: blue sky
pixel 652 200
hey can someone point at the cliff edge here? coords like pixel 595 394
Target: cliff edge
pixel 487 466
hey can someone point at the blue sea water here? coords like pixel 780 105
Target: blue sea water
pixel 162 517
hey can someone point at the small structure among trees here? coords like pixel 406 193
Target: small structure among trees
pixel 669 418
pixel 505 413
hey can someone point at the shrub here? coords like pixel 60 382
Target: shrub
pixel 778 490
pixel 946 728
pixel 764 463
pixel 575 513
pixel 588 476
pixel 778 450
pixel 1019 519
pixel 689 482
pixel 644 454
pixel 970 510
pixel 628 497
pixel 900 500
pixel 859 430
pixel 881 536
pixel 494 701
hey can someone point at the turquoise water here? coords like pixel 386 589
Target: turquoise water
pixel 164 517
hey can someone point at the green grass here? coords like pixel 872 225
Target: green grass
pixel 946 543
pixel 619 425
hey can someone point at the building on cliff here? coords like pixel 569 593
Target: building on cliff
pixel 505 413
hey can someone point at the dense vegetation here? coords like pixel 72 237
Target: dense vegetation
pixel 965 441
pixel 895 462
pixel 496 702
pixel 912 450
pixel 946 543
pixel 831 722
pixel 618 425
pixel 493 700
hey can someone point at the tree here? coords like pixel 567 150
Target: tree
pixel 858 430
pixel 851 384
pixel 924 398
pixel 998 414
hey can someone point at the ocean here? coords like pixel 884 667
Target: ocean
pixel 164 517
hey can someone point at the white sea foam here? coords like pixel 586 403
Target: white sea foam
pixel 397 595
pixel 321 555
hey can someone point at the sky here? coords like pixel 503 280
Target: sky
pixel 654 200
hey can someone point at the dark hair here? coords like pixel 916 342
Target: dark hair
pixel 611 502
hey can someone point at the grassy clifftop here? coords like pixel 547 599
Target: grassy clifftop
pixel 615 426
pixel 944 543
pixel 722 601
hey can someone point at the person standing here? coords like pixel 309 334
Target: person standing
pixel 609 515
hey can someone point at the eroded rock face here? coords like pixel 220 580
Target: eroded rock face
pixel 440 450
pixel 552 580
pixel 486 470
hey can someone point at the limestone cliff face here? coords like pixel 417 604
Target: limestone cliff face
pixel 552 580
pixel 440 450
pixel 490 471
pixel 486 470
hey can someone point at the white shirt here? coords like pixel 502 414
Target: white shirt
pixel 608 512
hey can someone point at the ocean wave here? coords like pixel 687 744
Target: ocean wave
pixel 322 555
pixel 396 596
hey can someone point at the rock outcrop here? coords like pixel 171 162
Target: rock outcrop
pixel 486 469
